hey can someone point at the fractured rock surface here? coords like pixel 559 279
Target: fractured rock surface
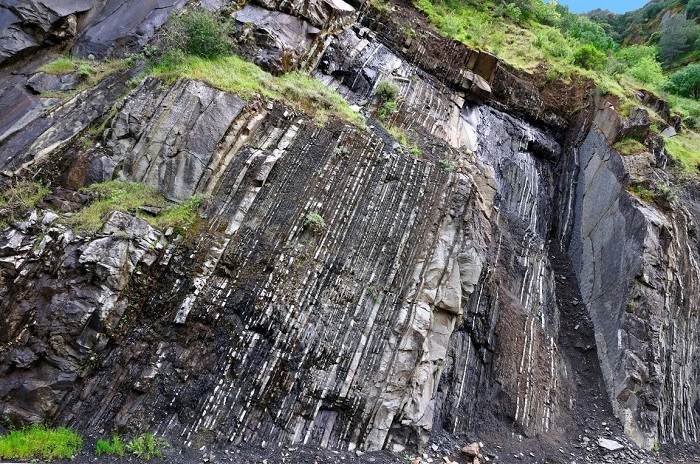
pixel 437 298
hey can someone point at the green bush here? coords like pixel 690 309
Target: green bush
pixel 552 42
pixel 315 222
pixel 510 11
pixel 447 165
pixel 647 71
pixel 39 442
pixel 198 33
pixel 589 57
pixel 386 91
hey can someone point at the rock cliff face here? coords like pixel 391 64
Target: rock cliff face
pixel 499 281
pixel 636 264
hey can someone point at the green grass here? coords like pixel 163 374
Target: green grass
pixel 685 147
pixel 408 142
pixel 114 446
pixel 630 146
pixel 90 73
pixel 235 75
pixel 39 442
pixel 688 108
pixel 128 198
pixel 17 201
pixel 59 67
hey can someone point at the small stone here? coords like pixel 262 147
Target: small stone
pixel 610 445
pixel 471 450
pixel 434 447
pixel 151 210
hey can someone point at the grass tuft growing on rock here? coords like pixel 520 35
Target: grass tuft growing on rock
pixel 147 446
pixel 20 199
pixel 139 199
pixel 629 146
pixel 315 222
pixel 114 446
pixel 89 72
pixel 40 442
pixel 234 74
pixel 59 67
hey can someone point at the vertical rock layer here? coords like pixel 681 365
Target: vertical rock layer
pixel 425 299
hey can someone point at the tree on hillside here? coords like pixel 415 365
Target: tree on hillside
pixel 686 82
pixel 693 9
pixel 676 36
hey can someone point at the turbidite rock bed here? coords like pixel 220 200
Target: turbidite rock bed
pixel 496 283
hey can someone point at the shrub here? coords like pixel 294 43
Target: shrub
pixel 647 71
pixel 386 91
pixel 589 57
pixel 510 11
pixel 447 165
pixel 198 33
pixel 552 42
pixel 315 222
pixel 39 442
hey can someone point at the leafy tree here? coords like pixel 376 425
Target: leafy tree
pixel 676 35
pixel 590 57
pixel 647 70
pixel 586 31
pixel 639 61
pixel 686 82
pixel 693 9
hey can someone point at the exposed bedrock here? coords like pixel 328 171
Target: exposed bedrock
pixel 27 26
pixel 637 268
pixel 428 301
pixel 310 336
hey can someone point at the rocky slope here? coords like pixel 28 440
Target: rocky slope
pixel 499 283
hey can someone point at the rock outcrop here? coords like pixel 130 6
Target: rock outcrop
pixel 453 287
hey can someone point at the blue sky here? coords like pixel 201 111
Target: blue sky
pixel 618 6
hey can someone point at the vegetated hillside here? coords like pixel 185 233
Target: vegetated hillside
pixel 634 58
pixel 644 26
